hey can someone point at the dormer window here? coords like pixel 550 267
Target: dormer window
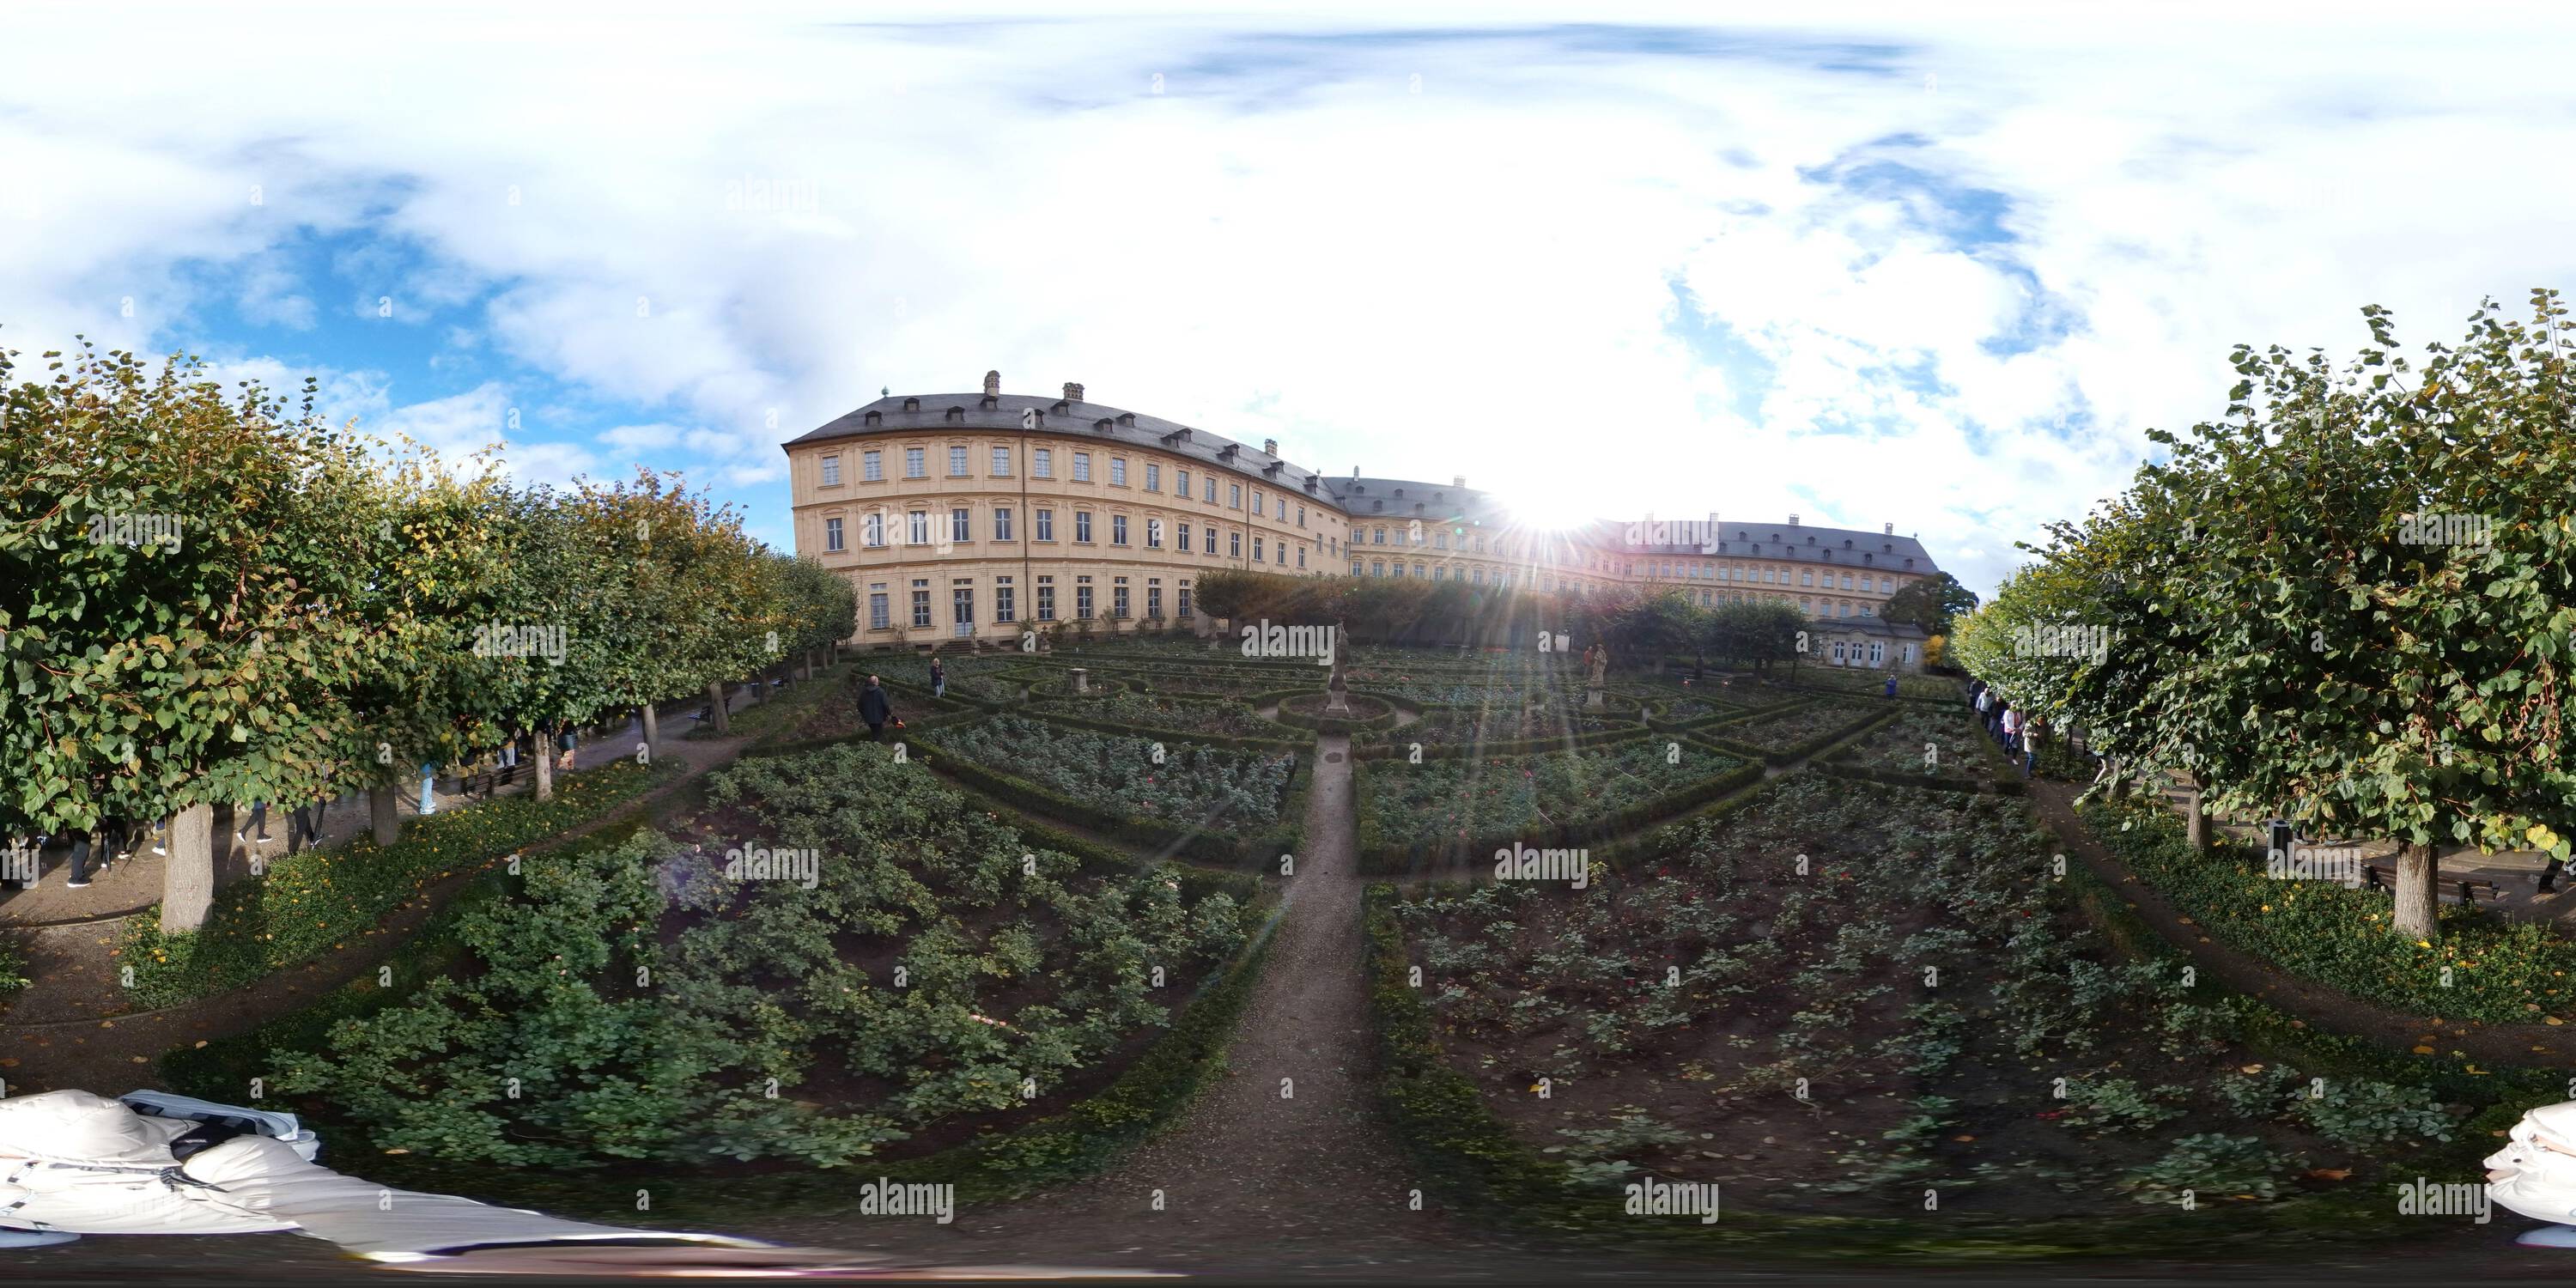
pixel 991 403
pixel 1377 507
pixel 1128 418
pixel 1101 425
pixel 956 414
pixel 1399 494
pixel 873 418
pixel 912 404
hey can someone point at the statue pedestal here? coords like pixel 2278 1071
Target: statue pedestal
pixel 1081 679
pixel 1336 703
pixel 1592 699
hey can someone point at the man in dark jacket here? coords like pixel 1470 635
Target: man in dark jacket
pixel 875 709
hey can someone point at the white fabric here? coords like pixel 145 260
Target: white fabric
pixel 72 1161
pixel 2528 1177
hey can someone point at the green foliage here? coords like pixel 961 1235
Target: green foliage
pixel 1171 782
pixel 2366 1113
pixel 2117 1104
pixel 2484 968
pixel 1474 798
pixel 1930 602
pixel 2210 1167
pixel 650 1008
pixel 319 899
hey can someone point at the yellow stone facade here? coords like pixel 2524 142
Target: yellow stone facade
pixel 965 516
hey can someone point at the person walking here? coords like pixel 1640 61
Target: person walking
pixel 304 825
pixel 2030 736
pixel 428 782
pixel 938 679
pixel 875 709
pixel 2012 731
pixel 567 741
pixel 1891 685
pixel 79 876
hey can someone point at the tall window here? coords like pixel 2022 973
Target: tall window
pixel 831 471
pixel 1181 484
pixel 1378 538
pixel 1046 525
pixel 1118 600
pixel 1001 523
pixel 1006 606
pixel 1082 598
pixel 957 461
pixel 1301 516
pixel 1001 462
pixel 919 522
pixel 1211 538
pixel 1377 568
pixel 877 616
pixel 1082 525
pixel 1153 477
pixel 1082 467
pixel 1154 535
pixel 1042 462
pixel 832 534
pixel 872 530
pixel 1234 545
pixel 1234 496
pixel 1185 603
pixel 915 464
pixel 961 609
pixel 1118 471
pixel 1210 481
pixel 1046 599
pixel 1117 529
pixel 1301 555
pixel 1256 548
pixel 1256 501
pixel 961 525
pixel 1181 538
pixel 921 603
pixel 1153 597
pixel 872 466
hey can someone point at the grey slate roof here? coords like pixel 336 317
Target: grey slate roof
pixel 1796 543
pixel 1087 420
pixel 1360 495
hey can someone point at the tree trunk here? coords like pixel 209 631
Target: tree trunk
pixel 653 735
pixel 188 882
pixel 2196 830
pixel 760 686
pixel 716 708
pixel 2419 895
pixel 545 756
pixel 380 807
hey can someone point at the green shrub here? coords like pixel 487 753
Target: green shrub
pixel 317 900
pixel 2207 1168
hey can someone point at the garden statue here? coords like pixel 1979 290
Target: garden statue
pixel 1337 690
pixel 1600 659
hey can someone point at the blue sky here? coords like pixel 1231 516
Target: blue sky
pixel 1870 264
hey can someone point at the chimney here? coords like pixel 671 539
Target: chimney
pixel 1355 471
pixel 1270 447
pixel 1072 392
pixel 1793 521
pixel 1459 482
pixel 992 384
pixel 1891 529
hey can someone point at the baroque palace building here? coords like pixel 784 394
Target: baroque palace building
pixel 978 516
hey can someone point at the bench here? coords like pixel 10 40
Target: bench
pixel 2385 879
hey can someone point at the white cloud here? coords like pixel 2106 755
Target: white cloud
pixel 1290 241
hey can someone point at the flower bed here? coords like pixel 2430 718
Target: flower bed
pixel 1465 806
pixel 2484 968
pixel 1795 733
pixel 1217 803
pixel 1195 717
pixel 318 899
pixel 1885 957
pixel 1306 711
pixel 1007 975
pixel 1926 746
pixel 989 678
pixel 1524 729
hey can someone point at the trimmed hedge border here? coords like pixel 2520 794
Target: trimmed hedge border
pixel 1162 838
pixel 1395 745
pixel 1441 1121
pixel 1806 750
pixel 1603 830
pixel 1039 709
pixel 1081 1141
pixel 1661 725
pixel 1324 724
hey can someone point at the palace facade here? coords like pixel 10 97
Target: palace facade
pixel 976 516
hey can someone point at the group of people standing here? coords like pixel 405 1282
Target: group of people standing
pixel 2018 732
